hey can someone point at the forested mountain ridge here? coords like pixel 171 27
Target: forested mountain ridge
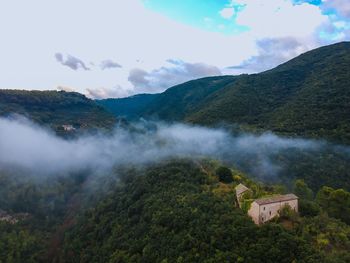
pixel 55 109
pixel 172 211
pixel 172 105
pixel 309 95
pixel 306 96
pixel 185 211
pixel 130 107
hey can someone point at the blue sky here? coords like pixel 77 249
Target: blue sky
pixel 108 48
pixel 204 14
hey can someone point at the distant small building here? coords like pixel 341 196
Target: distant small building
pixel 240 190
pixel 4 216
pixel 68 127
pixel 264 209
pixel 12 218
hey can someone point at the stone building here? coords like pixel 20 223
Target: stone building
pixel 68 127
pixel 4 216
pixel 240 190
pixel 264 209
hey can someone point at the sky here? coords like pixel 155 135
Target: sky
pixel 118 48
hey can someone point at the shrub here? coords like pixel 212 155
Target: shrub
pixel 224 174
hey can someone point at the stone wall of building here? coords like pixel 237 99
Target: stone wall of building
pixel 254 212
pixel 265 212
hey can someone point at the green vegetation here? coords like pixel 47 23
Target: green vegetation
pixel 224 174
pixel 56 108
pixel 51 204
pixel 335 202
pixel 172 213
pixel 307 96
pixel 302 190
pixel 130 107
pixel 172 105
pixel 175 211
pixel 182 210
pixel 328 165
pixel 18 244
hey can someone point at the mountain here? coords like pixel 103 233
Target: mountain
pixel 172 105
pixel 306 96
pixel 55 109
pixel 172 211
pixel 180 211
pixel 130 107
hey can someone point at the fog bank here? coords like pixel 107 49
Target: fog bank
pixel 27 146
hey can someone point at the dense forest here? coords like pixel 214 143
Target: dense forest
pixel 56 108
pixel 175 211
pixel 307 96
pixel 173 105
pixel 326 165
pixel 184 212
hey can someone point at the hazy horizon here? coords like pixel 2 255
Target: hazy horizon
pixel 117 49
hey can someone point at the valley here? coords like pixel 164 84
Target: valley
pixel 152 177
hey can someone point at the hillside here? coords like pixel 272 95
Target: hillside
pixel 180 212
pixel 55 108
pixel 172 211
pixel 172 105
pixel 130 107
pixel 307 96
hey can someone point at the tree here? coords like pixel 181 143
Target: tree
pixel 302 190
pixel 335 202
pixel 339 205
pixel 308 208
pixel 224 174
pixel 286 212
pixel 322 197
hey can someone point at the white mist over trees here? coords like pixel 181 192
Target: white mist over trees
pixel 25 145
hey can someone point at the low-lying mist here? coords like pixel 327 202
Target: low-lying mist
pixel 27 146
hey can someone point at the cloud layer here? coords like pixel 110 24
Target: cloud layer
pixel 342 7
pixel 103 92
pixel 178 72
pixel 26 146
pixel 66 31
pixel 272 52
pixel 227 12
pixel 280 18
pixel 71 62
pixel 108 64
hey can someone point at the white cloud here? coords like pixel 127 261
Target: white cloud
pixel 162 78
pixel 108 64
pixel 65 88
pixel 52 155
pixel 282 30
pixel 70 61
pixel 340 6
pixel 280 18
pixel 271 52
pixel 102 92
pixel 227 12
pixel 33 32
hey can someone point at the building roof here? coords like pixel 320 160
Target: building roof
pixel 241 188
pixel 276 199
